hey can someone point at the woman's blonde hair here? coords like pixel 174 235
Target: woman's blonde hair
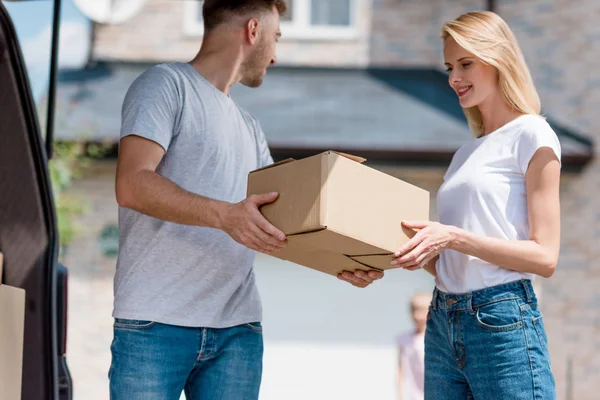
pixel 485 35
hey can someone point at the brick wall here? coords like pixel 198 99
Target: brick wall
pixel 561 41
pixel 158 34
pixel 155 34
pixel 407 32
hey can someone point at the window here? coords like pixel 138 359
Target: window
pixel 193 23
pixel 305 19
pixel 33 22
pixel 320 19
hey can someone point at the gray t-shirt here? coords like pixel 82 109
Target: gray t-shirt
pixel 179 274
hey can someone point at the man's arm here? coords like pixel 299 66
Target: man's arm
pixel 140 188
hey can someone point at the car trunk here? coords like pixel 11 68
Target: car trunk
pixel 28 235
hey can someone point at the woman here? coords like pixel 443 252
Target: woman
pixel 499 226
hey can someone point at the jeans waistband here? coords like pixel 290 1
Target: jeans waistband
pixel 522 289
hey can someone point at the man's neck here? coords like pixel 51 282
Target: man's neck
pixel 219 67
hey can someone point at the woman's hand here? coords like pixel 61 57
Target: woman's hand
pixel 431 239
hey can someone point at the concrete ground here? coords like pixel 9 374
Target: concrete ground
pixel 323 339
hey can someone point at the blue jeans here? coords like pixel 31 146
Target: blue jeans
pixel 153 361
pixel 487 344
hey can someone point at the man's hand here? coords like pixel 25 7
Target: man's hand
pixel 246 225
pixel 360 278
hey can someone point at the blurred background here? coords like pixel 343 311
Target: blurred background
pixel 361 76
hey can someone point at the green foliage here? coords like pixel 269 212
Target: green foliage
pixel 69 162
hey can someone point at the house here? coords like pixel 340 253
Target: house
pixel 364 76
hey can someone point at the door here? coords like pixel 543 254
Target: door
pixel 28 235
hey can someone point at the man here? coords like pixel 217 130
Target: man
pixel 411 351
pixel 187 311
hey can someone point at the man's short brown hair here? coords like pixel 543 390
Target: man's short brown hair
pixel 216 12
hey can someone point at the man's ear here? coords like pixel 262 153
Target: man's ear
pixel 252 28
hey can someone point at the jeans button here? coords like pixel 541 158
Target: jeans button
pixel 451 302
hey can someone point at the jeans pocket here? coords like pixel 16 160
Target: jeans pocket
pixel 499 316
pixel 255 326
pixel 538 325
pixel 133 324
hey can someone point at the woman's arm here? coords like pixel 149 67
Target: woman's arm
pixel 538 255
pixel 430 266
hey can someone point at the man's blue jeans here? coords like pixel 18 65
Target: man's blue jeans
pixel 487 344
pixel 153 361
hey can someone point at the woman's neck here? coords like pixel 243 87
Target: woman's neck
pixel 496 113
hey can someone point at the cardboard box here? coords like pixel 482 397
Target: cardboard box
pixel 12 323
pixel 337 213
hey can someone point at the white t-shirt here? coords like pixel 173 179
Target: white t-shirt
pixel 484 193
pixel 411 347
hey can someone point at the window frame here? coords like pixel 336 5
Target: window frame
pixel 191 25
pixel 299 28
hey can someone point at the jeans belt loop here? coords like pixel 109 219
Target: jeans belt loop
pixel 527 288
pixel 470 304
pixel 434 299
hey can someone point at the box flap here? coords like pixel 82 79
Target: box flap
pixel 329 262
pixel 332 253
pixel 376 261
pixel 327 239
pixel 287 160
pixel 358 159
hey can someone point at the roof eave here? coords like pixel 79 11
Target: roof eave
pixel 572 162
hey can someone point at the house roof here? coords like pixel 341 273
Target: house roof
pixel 380 113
